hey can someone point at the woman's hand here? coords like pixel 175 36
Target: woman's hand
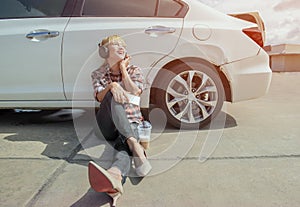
pixel 118 92
pixel 124 63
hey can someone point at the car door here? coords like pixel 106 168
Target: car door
pixel 31 34
pixel 150 28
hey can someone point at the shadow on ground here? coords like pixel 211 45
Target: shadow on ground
pixel 62 142
pixel 60 137
pixel 92 199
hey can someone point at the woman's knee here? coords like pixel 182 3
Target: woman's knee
pixel 108 97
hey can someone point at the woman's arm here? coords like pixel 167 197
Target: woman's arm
pixel 129 85
pixel 100 95
pixel 117 91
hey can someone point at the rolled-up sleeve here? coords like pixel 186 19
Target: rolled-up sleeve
pixel 137 77
pixel 96 81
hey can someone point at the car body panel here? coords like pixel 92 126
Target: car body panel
pixel 215 46
pixel 80 50
pixel 38 104
pixel 225 31
pixel 31 68
pixel 249 78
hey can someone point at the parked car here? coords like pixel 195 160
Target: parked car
pixel 193 57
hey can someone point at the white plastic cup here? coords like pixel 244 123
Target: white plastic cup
pixel 144 130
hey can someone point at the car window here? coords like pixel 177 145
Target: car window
pixel 168 8
pixel 31 8
pixel 119 8
pixel 134 8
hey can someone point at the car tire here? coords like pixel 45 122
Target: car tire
pixel 191 95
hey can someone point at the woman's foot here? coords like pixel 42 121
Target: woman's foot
pixel 101 180
pixel 143 169
pixel 115 172
pixel 142 165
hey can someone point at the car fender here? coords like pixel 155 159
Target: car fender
pixel 206 25
pixel 186 51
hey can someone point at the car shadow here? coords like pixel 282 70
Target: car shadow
pixel 59 137
pixel 221 121
pixel 63 143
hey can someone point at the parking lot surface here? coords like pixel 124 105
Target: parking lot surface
pixel 254 162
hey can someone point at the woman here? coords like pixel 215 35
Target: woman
pixel 116 118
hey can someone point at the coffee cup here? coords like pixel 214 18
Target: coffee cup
pixel 144 130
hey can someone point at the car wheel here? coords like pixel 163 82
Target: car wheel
pixel 192 95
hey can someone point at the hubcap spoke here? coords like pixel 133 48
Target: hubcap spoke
pixel 203 109
pixel 174 93
pixel 207 103
pixel 205 78
pixel 179 79
pixel 207 89
pixel 183 112
pixel 171 103
pixel 190 79
pixel 190 114
pixel 177 97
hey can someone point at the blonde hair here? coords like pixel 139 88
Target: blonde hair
pixel 113 39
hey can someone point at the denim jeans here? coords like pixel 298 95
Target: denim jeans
pixel 114 126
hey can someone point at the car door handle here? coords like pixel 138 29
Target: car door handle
pixel 42 34
pixel 157 30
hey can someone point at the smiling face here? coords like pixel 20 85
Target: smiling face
pixel 117 51
pixel 116 47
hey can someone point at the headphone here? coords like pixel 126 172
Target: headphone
pixel 103 51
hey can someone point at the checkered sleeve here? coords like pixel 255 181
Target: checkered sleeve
pixel 137 77
pixel 97 83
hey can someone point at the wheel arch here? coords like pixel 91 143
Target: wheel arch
pixel 168 66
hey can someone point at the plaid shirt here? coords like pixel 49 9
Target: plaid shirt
pixel 102 77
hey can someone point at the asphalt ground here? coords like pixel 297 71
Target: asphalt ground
pixel 249 158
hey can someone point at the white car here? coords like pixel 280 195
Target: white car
pixel 193 57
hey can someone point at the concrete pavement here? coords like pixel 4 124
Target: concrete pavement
pixel 256 162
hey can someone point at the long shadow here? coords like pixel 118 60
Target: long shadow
pixel 63 142
pixel 221 121
pixel 59 137
pixel 92 199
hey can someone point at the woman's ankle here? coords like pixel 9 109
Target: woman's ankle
pixel 115 172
